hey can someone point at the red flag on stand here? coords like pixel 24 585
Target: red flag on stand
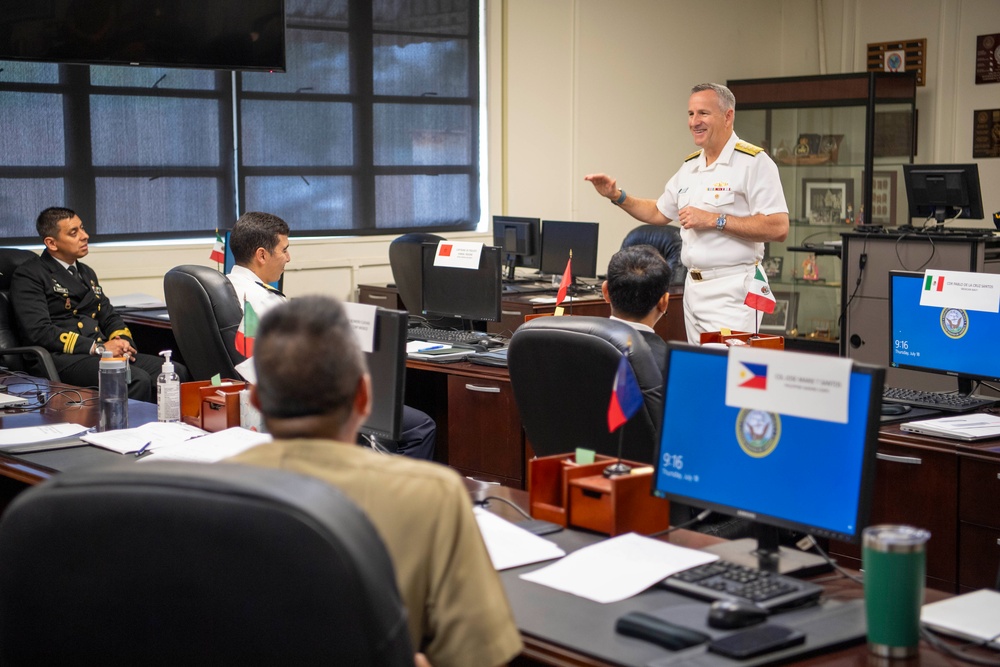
pixel 566 281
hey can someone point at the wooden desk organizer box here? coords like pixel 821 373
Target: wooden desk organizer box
pixel 579 495
pixel 753 340
pixel 211 407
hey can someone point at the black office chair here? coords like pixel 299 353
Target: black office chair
pixel 205 315
pixel 666 239
pixel 405 259
pixel 562 370
pixel 14 356
pixel 191 564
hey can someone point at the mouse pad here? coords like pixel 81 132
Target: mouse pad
pixel 914 413
pixel 828 626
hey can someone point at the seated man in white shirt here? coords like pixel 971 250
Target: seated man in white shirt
pixel 259 243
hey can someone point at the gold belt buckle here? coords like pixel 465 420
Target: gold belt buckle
pixel 695 273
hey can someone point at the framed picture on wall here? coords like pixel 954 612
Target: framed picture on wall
pixel 884 198
pixel 825 200
pixel 782 320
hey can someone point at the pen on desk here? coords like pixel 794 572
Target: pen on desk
pixel 142 450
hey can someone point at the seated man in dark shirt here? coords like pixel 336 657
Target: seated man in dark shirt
pixel 60 306
pixel 636 288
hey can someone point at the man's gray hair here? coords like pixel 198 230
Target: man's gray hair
pixel 727 100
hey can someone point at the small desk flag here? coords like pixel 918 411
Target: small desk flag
pixel 759 296
pixel 248 330
pixel 567 279
pixel 626 397
pixel 218 250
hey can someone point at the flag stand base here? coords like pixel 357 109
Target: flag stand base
pixel 617 468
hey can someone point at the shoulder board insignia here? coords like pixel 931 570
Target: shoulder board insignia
pixel 692 156
pixel 749 149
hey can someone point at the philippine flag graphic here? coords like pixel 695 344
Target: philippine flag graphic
pixel 754 376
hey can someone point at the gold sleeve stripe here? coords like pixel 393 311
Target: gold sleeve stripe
pixel 692 156
pixel 120 332
pixel 68 339
pixel 747 148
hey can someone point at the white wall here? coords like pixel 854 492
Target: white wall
pixel 576 86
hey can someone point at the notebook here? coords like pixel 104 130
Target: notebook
pixel 974 616
pixel 977 426
pixel 9 399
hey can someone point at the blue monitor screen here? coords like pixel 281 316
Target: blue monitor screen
pixel 815 476
pixel 941 340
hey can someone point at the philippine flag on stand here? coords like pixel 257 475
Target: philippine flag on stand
pixel 759 295
pixel 248 330
pixel 218 250
pixel 626 397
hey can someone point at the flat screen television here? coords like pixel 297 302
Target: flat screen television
pixel 559 237
pixel 943 191
pixel 468 294
pixel 777 470
pixel 387 367
pixel 218 34
pixel 947 341
pixel 520 240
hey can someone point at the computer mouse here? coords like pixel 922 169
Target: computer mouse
pixel 483 346
pixel 729 614
pixel 895 408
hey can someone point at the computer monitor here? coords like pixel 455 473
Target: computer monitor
pixel 387 367
pixel 943 191
pixel 520 241
pixel 948 341
pixel 777 470
pixel 469 294
pixel 558 238
pixel 230 262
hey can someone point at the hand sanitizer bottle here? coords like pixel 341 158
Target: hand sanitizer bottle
pixel 168 392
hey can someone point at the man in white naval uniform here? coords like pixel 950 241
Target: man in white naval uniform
pixel 728 201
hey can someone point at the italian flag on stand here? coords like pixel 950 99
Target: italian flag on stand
pixel 759 295
pixel 247 331
pixel 218 250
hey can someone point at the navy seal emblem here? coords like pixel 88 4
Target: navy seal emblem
pixel 758 432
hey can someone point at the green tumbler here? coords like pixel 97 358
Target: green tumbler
pixel 894 560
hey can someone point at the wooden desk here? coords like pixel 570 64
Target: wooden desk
pixel 544 640
pixel 65 404
pixel 514 307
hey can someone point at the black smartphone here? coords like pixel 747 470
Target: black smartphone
pixel 757 641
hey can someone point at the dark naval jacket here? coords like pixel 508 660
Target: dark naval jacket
pixel 62 313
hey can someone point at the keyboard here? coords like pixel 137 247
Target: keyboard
pixel 449 336
pixel 934 400
pixel 528 288
pixel 724 580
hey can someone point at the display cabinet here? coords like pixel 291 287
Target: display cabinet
pixel 839 142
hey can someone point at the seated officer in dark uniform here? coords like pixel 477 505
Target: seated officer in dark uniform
pixel 60 306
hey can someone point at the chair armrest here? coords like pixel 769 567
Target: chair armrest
pixel 41 354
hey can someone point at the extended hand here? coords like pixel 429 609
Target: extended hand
pixel 604 184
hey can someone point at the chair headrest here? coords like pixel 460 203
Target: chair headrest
pixel 10 259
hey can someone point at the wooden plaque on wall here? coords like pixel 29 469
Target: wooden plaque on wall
pixel 908 55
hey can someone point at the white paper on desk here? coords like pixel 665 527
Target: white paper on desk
pixel 210 448
pixel 511 546
pixel 617 568
pixel 27 435
pixel 137 300
pixel 157 434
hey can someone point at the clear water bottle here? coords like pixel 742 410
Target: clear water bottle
pixel 113 392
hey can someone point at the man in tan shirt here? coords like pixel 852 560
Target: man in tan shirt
pixel 313 405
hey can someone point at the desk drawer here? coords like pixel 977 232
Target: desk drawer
pixel 484 428
pixel 978 491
